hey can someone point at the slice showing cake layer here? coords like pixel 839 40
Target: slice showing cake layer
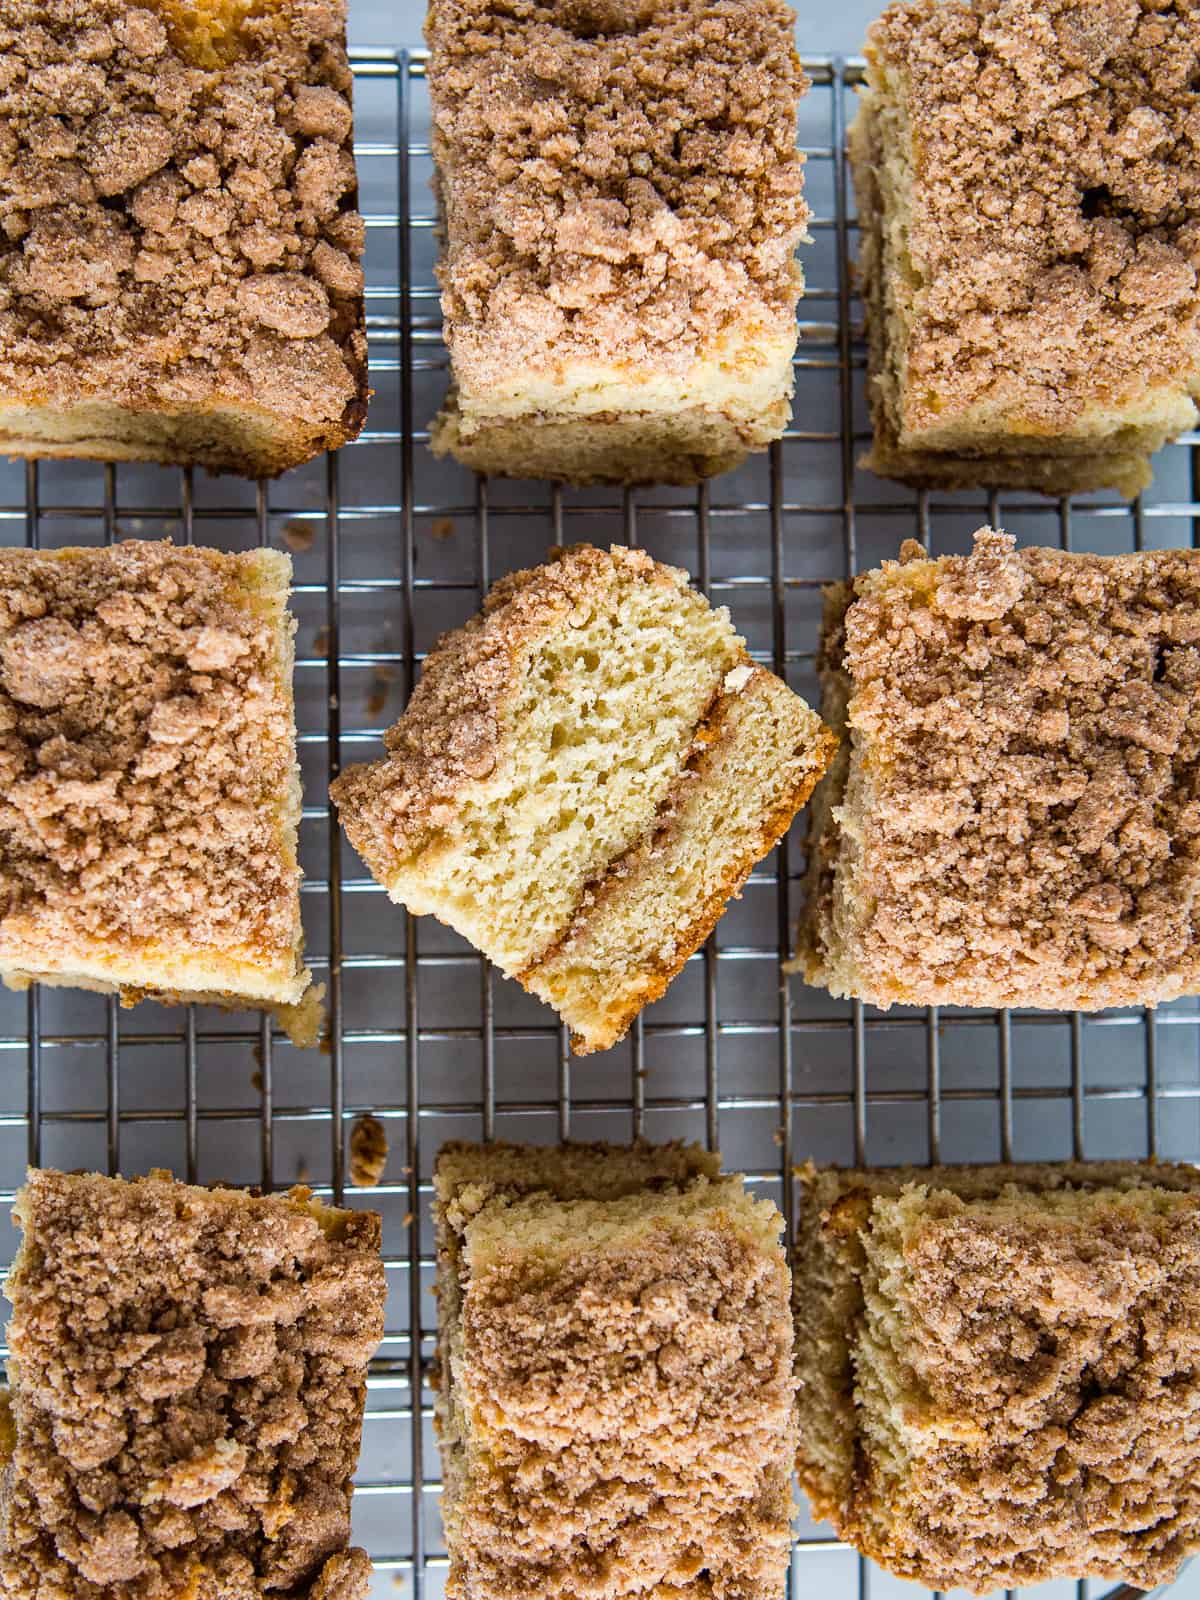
pixel 999 1367
pixel 622 200
pixel 615 1404
pixel 188 1371
pixel 149 789
pixel 1029 247
pixel 584 776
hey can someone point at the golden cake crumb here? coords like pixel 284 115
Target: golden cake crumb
pixel 585 775
pixel 179 256
pixel 1018 819
pixel 188 1372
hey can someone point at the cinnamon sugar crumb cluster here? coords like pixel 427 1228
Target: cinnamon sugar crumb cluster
pixel 177 228
pixel 1029 182
pixel 621 191
pixel 189 1374
pixel 148 787
pixel 997 1369
pixel 1018 822
pixel 615 1396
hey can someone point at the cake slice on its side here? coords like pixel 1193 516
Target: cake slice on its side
pixel 586 773
pixel 622 200
pixel 188 1372
pixel 149 790
pixel 1012 821
pixel 1028 250
pixel 615 1405
pixel 999 1367
pixel 180 262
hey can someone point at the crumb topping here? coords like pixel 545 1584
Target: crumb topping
pixel 453 731
pixel 1028 723
pixel 189 1378
pixel 176 193
pixel 635 1410
pixel 1058 1349
pixel 146 753
pixel 1055 226
pixel 620 180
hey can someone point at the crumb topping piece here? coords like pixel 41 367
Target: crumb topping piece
pixel 189 1379
pixel 1027 730
pixel 1055 220
pixel 620 180
pixel 147 752
pixel 176 205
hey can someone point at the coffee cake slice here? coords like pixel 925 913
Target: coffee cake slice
pixel 1016 818
pixel 1028 187
pixel 585 775
pixel 622 199
pixel 180 274
pixel 999 1369
pixel 149 791
pixel 188 1371
pixel 615 1404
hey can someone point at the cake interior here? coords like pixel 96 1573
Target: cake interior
pixel 604 710
pixel 757 760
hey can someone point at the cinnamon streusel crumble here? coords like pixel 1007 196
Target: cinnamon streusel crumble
pixel 622 198
pixel 1017 819
pixel 188 1371
pixel 1028 181
pixel 179 249
pixel 615 1402
pixel 999 1367
pixel 149 792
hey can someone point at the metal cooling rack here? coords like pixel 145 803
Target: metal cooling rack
pixel 390 549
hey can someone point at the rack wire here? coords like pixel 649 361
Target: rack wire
pixel 390 549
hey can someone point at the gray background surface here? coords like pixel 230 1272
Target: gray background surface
pixel 424 1036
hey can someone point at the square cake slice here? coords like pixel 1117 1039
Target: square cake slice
pixel 621 196
pixel 149 791
pixel 615 1401
pixel 999 1366
pixel 1028 186
pixel 1016 819
pixel 584 776
pixel 180 274
pixel 188 1371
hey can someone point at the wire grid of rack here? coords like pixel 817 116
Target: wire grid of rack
pixel 390 549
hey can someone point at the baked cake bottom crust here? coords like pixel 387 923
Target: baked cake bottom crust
pixel 598 424
pixel 229 437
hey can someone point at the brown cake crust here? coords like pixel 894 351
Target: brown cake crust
pixel 177 232
pixel 1053 235
pixel 148 780
pixel 620 180
pixel 1024 789
pixel 188 1373
pixel 1048 1357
